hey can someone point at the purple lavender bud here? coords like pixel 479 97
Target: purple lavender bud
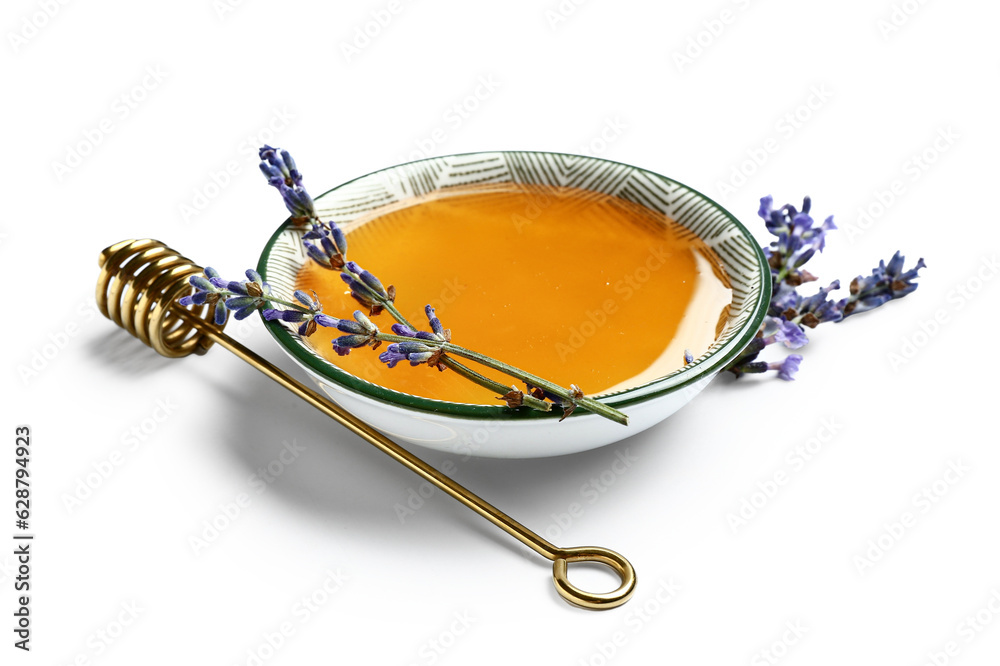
pixel 329 248
pixel 374 284
pixel 412 347
pixel 311 302
pixel 777 222
pixel 790 335
pixel 367 278
pixel 329 252
pixel 688 357
pixel 420 357
pixel 871 302
pixel 414 352
pixel 358 290
pixel 405 331
pixel 391 357
pixel 186 300
pixel 829 311
pixel 281 173
pixel 351 341
pixel 316 254
pixel 766 203
pixel 802 222
pixel 245 312
pixel 220 313
pixel 338 238
pixel 274 176
pixel 240 302
pixel 787 368
pixel 434 322
pixel 784 297
pixel 895 265
pixel 326 320
pixel 199 282
pixel 365 322
pixel 911 274
pixel 293 173
pixel 236 287
pixel 348 326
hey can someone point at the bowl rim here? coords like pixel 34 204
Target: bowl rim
pixel 709 364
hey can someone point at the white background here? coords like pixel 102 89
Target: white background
pixel 866 98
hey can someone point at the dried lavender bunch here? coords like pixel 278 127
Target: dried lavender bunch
pixel 790 313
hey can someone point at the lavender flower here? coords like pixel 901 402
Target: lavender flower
pixel 418 352
pixel 366 288
pixel 798 240
pixel 209 290
pixel 308 321
pixel 331 250
pixel 248 295
pixel 414 352
pixel 887 282
pixel 360 333
pixel 279 169
pixel 407 332
pixel 787 368
pixel 786 332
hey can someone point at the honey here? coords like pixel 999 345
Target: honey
pixel 571 285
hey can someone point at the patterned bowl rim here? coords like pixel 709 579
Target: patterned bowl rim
pixel 729 344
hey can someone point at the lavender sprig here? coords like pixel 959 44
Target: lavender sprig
pixel 789 312
pixel 326 245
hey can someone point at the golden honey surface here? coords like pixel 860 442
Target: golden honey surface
pixel 570 285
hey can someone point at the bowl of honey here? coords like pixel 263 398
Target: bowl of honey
pixel 628 284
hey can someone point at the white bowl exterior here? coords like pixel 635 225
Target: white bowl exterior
pixel 500 438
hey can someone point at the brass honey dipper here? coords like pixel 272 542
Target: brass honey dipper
pixel 138 288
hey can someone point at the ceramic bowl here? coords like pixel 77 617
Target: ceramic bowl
pixel 495 431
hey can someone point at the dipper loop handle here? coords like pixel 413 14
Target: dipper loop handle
pixel 138 288
pixel 591 600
